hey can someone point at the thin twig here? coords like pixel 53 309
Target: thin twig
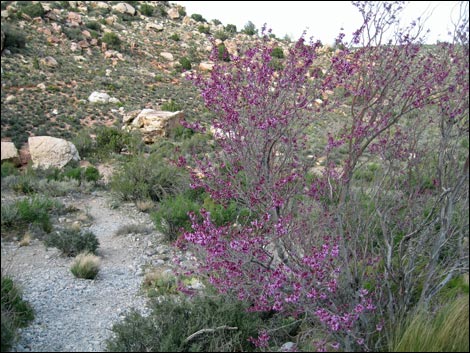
pixel 204 330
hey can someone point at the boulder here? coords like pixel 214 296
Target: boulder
pixel 99 97
pixel 153 124
pixel 206 66
pixel 49 61
pixel 167 56
pixel 173 13
pixel 47 151
pixel 125 8
pixel 10 153
pixel 154 26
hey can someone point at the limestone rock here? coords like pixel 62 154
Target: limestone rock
pixel 154 26
pixel 99 97
pixel 206 66
pixel 167 56
pixel 10 153
pixel 125 8
pixel 173 13
pixel 153 124
pixel 47 151
pixel 49 61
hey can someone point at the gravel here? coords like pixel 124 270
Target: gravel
pixel 76 315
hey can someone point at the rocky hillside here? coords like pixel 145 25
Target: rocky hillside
pixel 56 54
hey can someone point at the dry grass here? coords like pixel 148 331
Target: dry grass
pixel 25 240
pixel 446 331
pixel 85 265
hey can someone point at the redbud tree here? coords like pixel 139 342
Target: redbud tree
pixel 348 256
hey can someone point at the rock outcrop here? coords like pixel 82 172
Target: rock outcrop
pixel 47 151
pixel 10 153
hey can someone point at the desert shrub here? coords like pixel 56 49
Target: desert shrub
pixel 147 178
pixel 171 216
pixel 133 228
pixel 181 11
pixel 203 29
pixel 147 10
pixel 74 33
pixel 9 168
pixel 109 139
pixel 85 265
pixel 15 313
pixel 198 18
pixel 175 37
pixel 84 143
pixel 91 174
pixel 277 53
pixel 112 40
pixel 72 241
pixel 185 63
pixel 445 331
pixel 174 326
pixel 27 212
pixel 230 29
pixel 222 35
pixel 93 25
pixel 158 283
pixel 33 10
pixel 223 215
pixel 216 22
pixel 14 38
pixel 180 133
pixel 171 105
pixel 250 29
pixel 223 54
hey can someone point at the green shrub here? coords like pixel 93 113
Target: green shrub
pixel 109 139
pixel 91 174
pixel 74 33
pixel 180 133
pixel 175 37
pixel 172 322
pixel 225 215
pixel 84 143
pixel 171 216
pixel 12 301
pixel 198 18
pixel 216 22
pixel 72 241
pixel 147 10
pixel 33 10
pixel 223 53
pixel 14 38
pixel 250 29
pixel 30 211
pixel 93 25
pixel 203 29
pixel 15 312
pixel 147 178
pixel 158 283
pixel 185 63
pixel 445 331
pixel 112 40
pixel 277 53
pixel 230 29
pixel 222 35
pixel 171 106
pixel 181 11
pixel 9 168
pixel 86 266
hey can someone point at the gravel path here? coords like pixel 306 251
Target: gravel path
pixel 76 315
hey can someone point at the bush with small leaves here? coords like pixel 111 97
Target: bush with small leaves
pixel 223 54
pixel 33 10
pixel 85 265
pixel 94 25
pixel 231 29
pixel 74 33
pixel 143 178
pixel 222 35
pixel 16 312
pixel 216 22
pixel 277 53
pixel 112 40
pixel 171 106
pixel 171 216
pixel 198 18
pixel 14 38
pixel 203 29
pixel 175 37
pixel 9 168
pixel 72 241
pixel 147 10
pixel 185 63
pixel 91 174
pixel 250 29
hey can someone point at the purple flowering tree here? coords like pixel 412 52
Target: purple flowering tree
pixel 333 250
